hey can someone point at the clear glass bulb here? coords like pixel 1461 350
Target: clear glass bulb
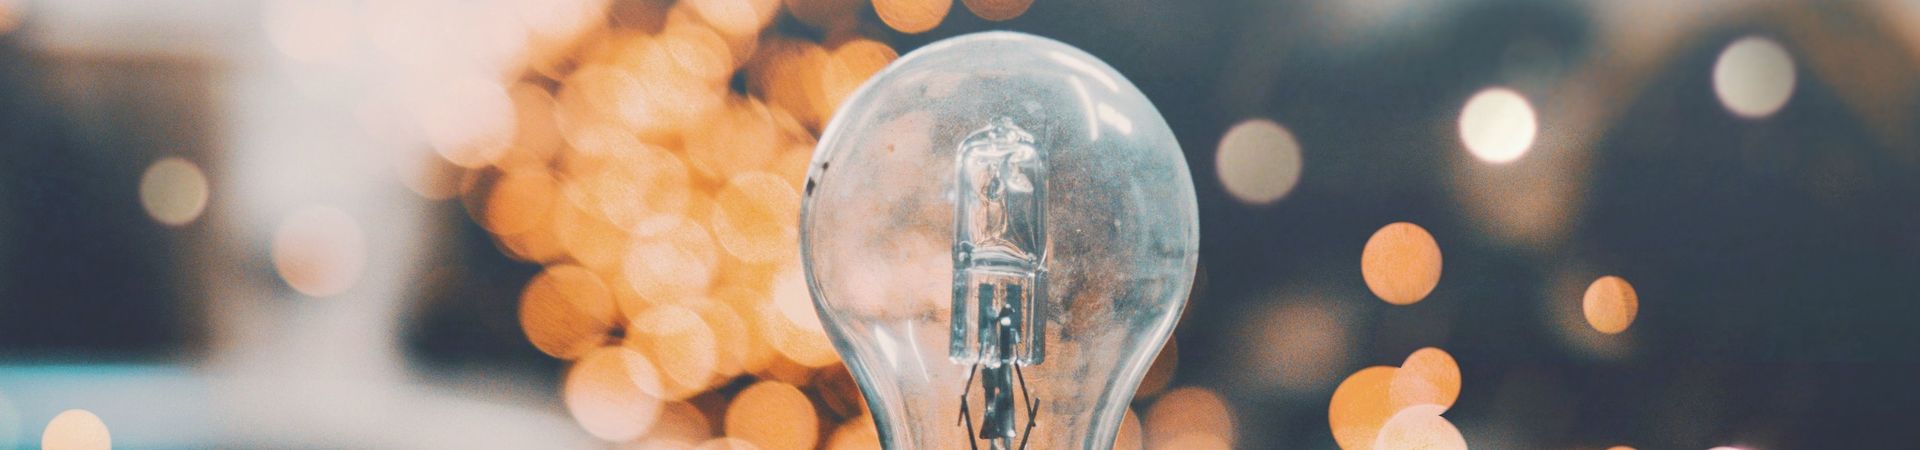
pixel 999 232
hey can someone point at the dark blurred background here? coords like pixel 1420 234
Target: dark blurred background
pixel 325 261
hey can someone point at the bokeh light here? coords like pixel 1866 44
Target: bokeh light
pixel 566 311
pixel 1567 317
pixel 736 17
pixel 794 333
pixel 1188 411
pixel 1258 161
pixel 751 221
pixel 174 191
pixel 998 10
pixel 469 120
pixel 519 201
pixel 679 343
pixel 320 251
pixel 76 429
pixel 773 415
pixel 828 15
pixel 1753 77
pixel 912 16
pixel 853 62
pixel 1360 406
pixel 607 393
pixel 1429 376
pixel 856 434
pixel 1401 263
pixel 1419 427
pixel 678 264
pixel 680 422
pixel 1610 304
pixel 1498 125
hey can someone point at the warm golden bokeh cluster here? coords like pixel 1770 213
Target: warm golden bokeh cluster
pixel 654 168
pixel 652 162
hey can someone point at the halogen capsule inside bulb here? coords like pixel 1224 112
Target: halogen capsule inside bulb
pixel 999 241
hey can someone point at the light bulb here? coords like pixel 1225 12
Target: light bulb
pixel 999 232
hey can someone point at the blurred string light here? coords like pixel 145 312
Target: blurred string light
pixel 1753 77
pixel 319 251
pixel 76 429
pixel 1387 407
pixel 1258 161
pixel 1497 125
pixel 1401 263
pixel 173 191
pixel 1610 304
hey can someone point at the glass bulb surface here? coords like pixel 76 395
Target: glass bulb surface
pixel 999 232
